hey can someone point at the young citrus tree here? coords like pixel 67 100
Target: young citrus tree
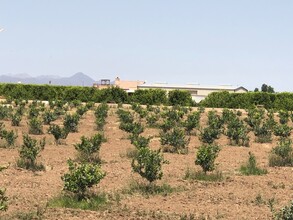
pixel 29 152
pixel 81 177
pixel 148 164
pixel 206 156
pixel 88 148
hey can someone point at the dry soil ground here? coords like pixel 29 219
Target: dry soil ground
pixel 236 197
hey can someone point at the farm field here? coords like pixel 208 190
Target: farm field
pixel 235 196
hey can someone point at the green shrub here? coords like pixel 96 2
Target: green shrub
pixel 101 113
pixel 35 126
pixel 58 133
pixel 33 112
pixel 125 116
pixel 255 117
pixel 192 122
pixel 167 125
pixel 283 116
pixel 48 117
pixel 214 120
pixel 237 133
pixel 134 128
pixel 152 120
pixel 282 130
pixel 3 197
pixel 3 200
pixel 70 122
pixel 209 134
pixel 81 110
pixel 286 213
pixel 88 148
pixel 180 97
pixel 4 112
pixel 139 110
pixel 206 156
pixel 250 168
pixel 149 96
pixel 81 177
pixel 139 141
pixel 148 164
pixel 282 154
pixel 228 115
pixel 263 132
pixel 15 119
pixel 175 141
pixel 9 136
pixel 29 152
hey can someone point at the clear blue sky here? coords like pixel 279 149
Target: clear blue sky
pixel 212 42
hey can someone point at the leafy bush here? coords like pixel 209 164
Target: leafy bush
pixel 9 136
pixel 192 122
pixel 263 132
pixel 81 110
pixel 101 113
pixel 282 130
pixel 173 115
pixel 175 141
pixel 3 197
pixel 139 141
pixel 48 117
pixel 286 213
pixel 125 116
pixel 167 125
pixel 89 148
pixel 29 152
pixel 58 133
pixel 206 156
pixel 180 97
pixel 209 134
pixel 283 116
pixel 139 110
pixel 148 164
pixel 214 120
pixel 4 112
pixel 228 115
pixel 35 126
pixel 282 155
pixel 250 168
pixel 3 200
pixel 81 177
pixel 254 117
pixel 33 112
pixel 149 96
pixel 134 128
pixel 152 119
pixel 71 122
pixel 102 110
pixel 15 119
pixel 237 133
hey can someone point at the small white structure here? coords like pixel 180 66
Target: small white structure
pixel 198 92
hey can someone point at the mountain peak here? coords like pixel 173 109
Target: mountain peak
pixel 78 79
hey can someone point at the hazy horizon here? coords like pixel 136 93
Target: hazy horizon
pixel 245 43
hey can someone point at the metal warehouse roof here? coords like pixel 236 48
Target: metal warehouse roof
pixel 191 86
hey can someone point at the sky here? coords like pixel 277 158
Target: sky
pixel 210 42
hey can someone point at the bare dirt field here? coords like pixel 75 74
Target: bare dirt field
pixel 236 197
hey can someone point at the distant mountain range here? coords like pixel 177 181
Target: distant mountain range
pixel 78 79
